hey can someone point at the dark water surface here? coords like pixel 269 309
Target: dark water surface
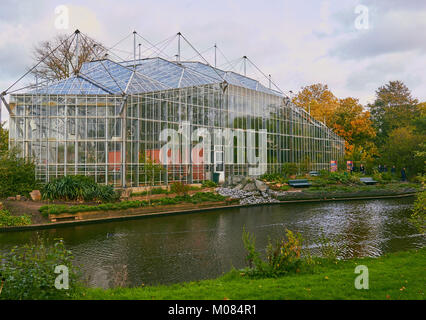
pixel 198 246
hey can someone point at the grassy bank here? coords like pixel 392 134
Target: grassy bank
pixel 342 191
pixel 394 276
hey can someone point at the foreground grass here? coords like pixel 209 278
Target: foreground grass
pixel 395 276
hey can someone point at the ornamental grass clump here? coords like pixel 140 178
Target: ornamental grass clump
pixel 78 188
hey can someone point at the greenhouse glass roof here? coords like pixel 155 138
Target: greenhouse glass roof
pixel 151 74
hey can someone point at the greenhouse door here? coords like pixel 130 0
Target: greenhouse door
pixel 219 167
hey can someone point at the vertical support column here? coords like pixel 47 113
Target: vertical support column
pixel 65 136
pixel 215 57
pixel 134 49
pixel 178 55
pixel 123 142
pixel 77 52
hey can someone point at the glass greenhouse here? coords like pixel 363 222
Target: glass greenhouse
pixel 106 122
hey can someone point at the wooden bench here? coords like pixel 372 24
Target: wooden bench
pixel 314 173
pixel 368 180
pixel 299 183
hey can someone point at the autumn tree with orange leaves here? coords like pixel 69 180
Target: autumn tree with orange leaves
pixel 345 116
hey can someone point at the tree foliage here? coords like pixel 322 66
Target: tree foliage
pixel 319 100
pixel 17 175
pixel 345 116
pixel 393 108
pixel 389 131
pixel 4 139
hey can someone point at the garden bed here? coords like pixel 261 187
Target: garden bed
pixel 91 215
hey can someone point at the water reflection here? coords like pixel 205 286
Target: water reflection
pixel 199 246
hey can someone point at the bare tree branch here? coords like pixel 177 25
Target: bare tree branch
pixel 62 63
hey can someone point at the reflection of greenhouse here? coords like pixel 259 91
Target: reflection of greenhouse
pixel 86 125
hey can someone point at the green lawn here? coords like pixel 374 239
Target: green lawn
pixel 395 276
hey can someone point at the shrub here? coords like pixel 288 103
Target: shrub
pixel 179 188
pixel 377 176
pixel 386 176
pixel 78 188
pixel 282 257
pixel 29 272
pixel 206 196
pixel 274 177
pixel 354 178
pixel 17 175
pixel 8 220
pixel 338 177
pixel 290 169
pixel 209 184
pixel 285 255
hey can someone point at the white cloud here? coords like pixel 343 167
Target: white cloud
pixel 298 43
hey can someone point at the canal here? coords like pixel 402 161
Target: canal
pixel 186 247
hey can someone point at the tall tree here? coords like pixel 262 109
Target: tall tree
pixel 393 108
pixel 62 63
pixel 352 123
pixel 345 116
pixel 319 100
pixel 401 149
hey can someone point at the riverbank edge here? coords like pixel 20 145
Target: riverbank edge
pixel 188 211
pixel 333 197
pixel 393 276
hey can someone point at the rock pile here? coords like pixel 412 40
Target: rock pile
pixel 248 190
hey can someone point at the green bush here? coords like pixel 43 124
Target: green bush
pixel 274 177
pixel 179 188
pixel 338 177
pixel 17 175
pixel 209 184
pixel 282 257
pixel 29 272
pixel 78 188
pixel 386 176
pixel 206 196
pixel 290 169
pixel 8 220
pixel 354 178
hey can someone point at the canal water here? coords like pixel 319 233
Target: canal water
pixel 170 249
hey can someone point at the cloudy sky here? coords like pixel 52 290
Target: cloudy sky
pixel 353 46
